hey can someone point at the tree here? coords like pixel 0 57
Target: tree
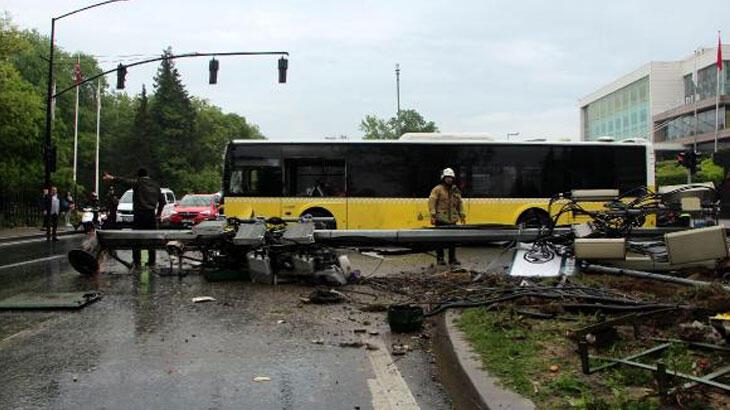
pixel 185 136
pixel 406 121
pixel 141 136
pixel 173 116
pixel 21 117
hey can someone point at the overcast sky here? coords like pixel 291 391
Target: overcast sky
pixel 471 66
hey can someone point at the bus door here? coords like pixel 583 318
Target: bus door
pixel 255 189
pixel 316 187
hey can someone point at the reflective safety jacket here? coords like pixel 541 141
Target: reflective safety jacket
pixel 445 204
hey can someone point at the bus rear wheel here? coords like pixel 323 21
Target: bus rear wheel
pixel 534 218
pixel 321 213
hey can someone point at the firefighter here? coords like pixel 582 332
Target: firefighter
pixel 446 209
pixel 148 202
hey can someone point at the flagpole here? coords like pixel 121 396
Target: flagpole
pixel 98 126
pixel 718 70
pixel 694 101
pixel 76 118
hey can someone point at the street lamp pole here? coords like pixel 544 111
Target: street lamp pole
pixel 47 145
pixel 397 96
pixel 397 86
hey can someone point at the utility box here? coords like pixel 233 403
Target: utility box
pixel 696 245
pixel 600 248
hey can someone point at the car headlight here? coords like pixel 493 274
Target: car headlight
pixel 205 213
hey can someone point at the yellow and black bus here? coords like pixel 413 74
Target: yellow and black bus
pixel 384 184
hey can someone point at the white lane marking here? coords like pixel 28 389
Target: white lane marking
pixel 48 258
pixel 388 389
pixel 24 241
pixel 25 333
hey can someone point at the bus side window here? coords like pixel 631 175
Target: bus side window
pixel 236 183
pixel 318 178
pixel 256 181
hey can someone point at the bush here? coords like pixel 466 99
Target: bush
pixel 670 173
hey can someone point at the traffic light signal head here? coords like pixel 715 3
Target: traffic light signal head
pixel 213 71
pixel 692 161
pixel 121 76
pixel 283 66
pixel 688 160
pixel 682 159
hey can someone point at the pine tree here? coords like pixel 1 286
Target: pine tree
pixel 172 136
pixel 141 135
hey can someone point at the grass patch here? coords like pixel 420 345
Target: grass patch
pixel 520 352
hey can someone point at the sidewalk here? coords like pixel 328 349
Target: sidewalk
pixel 26 232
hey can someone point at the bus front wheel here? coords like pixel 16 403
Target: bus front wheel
pixel 321 213
pixel 534 218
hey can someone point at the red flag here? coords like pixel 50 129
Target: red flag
pixel 719 53
pixel 77 73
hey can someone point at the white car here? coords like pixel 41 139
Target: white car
pixel 125 214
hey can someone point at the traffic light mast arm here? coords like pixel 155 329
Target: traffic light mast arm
pixel 172 57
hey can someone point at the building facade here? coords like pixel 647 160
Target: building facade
pixel 658 102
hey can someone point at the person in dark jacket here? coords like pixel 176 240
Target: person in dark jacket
pixel 112 203
pixel 147 204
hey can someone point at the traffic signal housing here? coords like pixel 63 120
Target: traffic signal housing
pixel 682 159
pixel 213 71
pixel 121 76
pixel 688 160
pixel 692 162
pixel 283 66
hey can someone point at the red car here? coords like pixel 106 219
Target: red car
pixel 194 208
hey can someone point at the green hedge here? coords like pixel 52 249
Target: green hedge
pixel 670 173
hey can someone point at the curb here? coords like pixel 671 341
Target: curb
pixel 461 371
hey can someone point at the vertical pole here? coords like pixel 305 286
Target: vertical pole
pixel 397 96
pixel 98 127
pixel 47 142
pixel 662 380
pixel 694 101
pixel 717 94
pixel 717 110
pixel 397 86
pixel 76 120
pixel 585 363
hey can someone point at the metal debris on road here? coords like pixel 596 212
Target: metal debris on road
pixel 202 299
pixel 56 300
pixel 353 343
pixel 322 297
pixel 260 379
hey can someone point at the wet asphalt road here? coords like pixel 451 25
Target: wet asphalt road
pixel 146 345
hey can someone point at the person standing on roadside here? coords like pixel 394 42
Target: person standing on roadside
pixel 54 209
pixel 147 204
pixel 111 203
pixel 446 209
pixel 70 206
pixel 43 204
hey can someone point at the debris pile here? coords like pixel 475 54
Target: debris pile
pixel 549 298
